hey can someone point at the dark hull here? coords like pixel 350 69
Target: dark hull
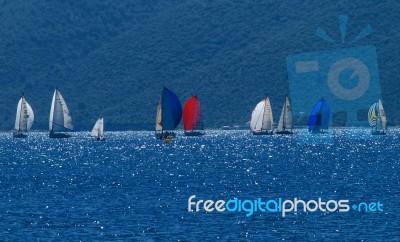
pixel 100 139
pixel 194 133
pixel 263 132
pixel 284 132
pixel 164 135
pixel 378 132
pixel 317 131
pixel 20 135
pixel 59 135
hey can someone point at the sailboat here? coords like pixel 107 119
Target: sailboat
pixel 24 119
pixel 319 117
pixel 285 124
pixel 261 122
pixel 377 118
pixel 192 119
pixel 60 120
pixel 98 130
pixel 169 114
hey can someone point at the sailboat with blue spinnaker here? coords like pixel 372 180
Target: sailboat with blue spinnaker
pixel 169 114
pixel 318 120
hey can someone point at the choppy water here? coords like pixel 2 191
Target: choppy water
pixel 135 187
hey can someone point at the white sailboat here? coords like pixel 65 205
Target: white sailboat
pixel 261 122
pixel 285 124
pixel 377 118
pixel 24 119
pixel 60 120
pixel 98 130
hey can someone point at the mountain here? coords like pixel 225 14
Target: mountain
pixel 111 58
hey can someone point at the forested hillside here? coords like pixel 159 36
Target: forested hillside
pixel 111 58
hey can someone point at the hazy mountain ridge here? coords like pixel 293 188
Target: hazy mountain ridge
pixel 230 53
pixel 39 39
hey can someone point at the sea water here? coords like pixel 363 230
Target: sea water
pixel 135 187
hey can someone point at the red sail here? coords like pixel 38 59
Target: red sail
pixel 191 114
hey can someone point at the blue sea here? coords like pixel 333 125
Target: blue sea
pixel 134 187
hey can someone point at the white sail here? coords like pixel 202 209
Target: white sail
pixel 18 116
pixel 268 123
pixel 101 128
pixel 382 122
pixel 286 118
pixel 25 117
pixel 60 119
pixel 98 129
pixel 158 117
pixel 261 118
pixel 52 111
pixel 31 116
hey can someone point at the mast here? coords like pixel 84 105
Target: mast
pixel 161 108
pixel 197 115
pixel 194 115
pixel 23 115
pixel 159 117
pixel 284 116
pixel 287 107
pixel 200 124
pixel 264 116
pixel 98 129
pixel 382 116
pixel 379 121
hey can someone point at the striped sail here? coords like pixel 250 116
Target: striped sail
pixel 373 115
pixel 377 117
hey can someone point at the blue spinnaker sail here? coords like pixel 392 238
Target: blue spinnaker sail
pixel 319 117
pixel 171 110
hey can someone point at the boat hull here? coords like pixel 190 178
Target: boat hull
pixel 269 132
pixel 284 132
pixel 318 131
pixel 100 139
pixel 194 133
pixel 59 135
pixel 378 132
pixel 20 135
pixel 165 135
